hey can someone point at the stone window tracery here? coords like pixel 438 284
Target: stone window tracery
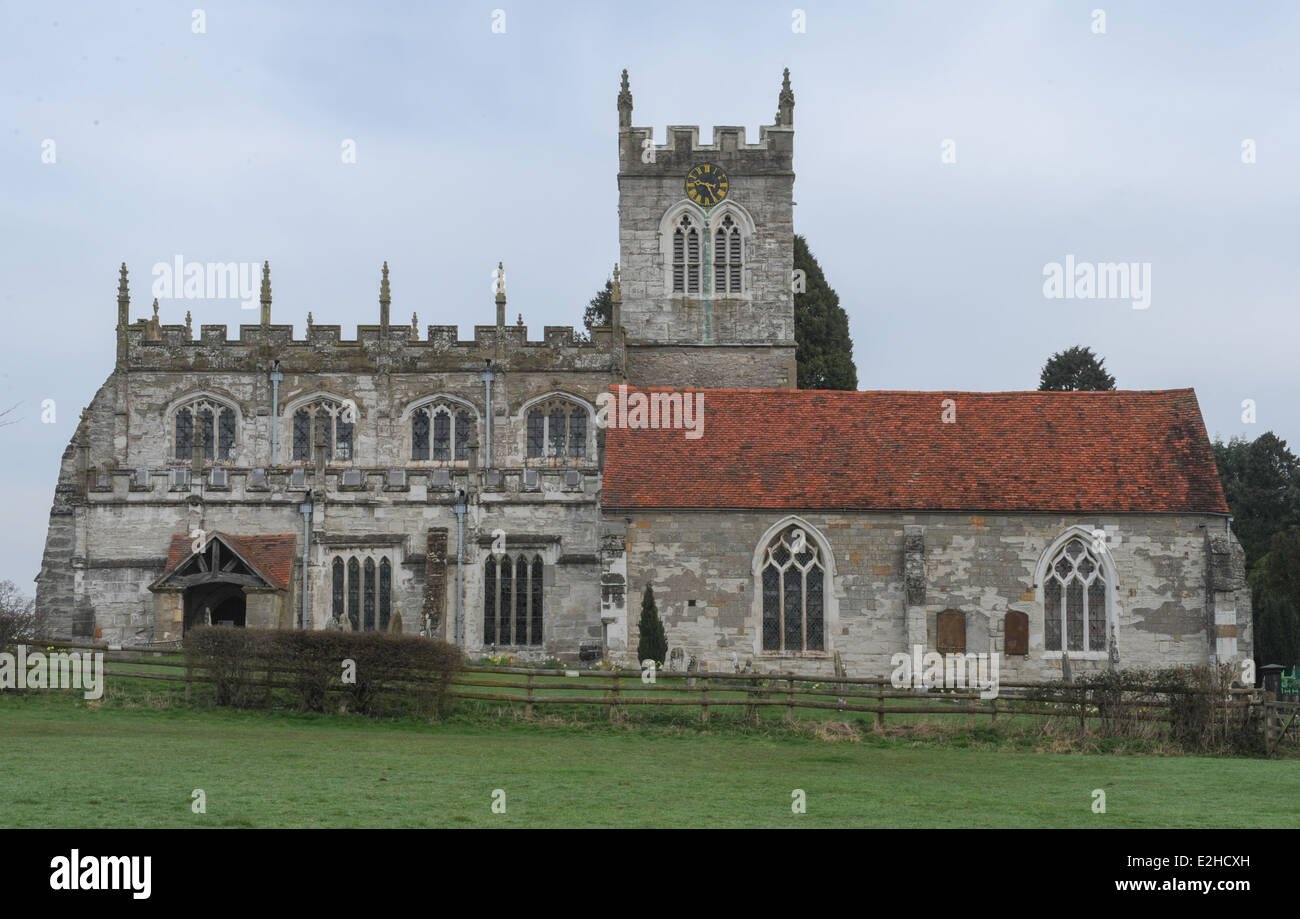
pixel 1075 600
pixel 793 589
pixel 213 421
pixel 440 431
pixel 557 429
pixel 686 256
pixel 727 261
pixel 512 599
pixel 366 602
pixel 335 418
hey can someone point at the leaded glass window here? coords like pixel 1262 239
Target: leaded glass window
pixel 385 594
pixel 557 430
pixel 338 589
pixel 462 436
pixel 226 434
pixel 793 590
pixel 512 600
pixel 302 435
pixel 420 436
pixel 1075 600
pixel 370 595
pixel 210 420
pixel 354 593
pixel 440 432
pixel 336 419
pixel 368 589
pixel 184 434
pixel 205 425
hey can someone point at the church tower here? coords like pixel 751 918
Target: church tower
pixel 706 246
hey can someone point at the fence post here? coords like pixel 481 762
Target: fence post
pixel 704 702
pixel 880 701
pixel 528 707
pixel 995 711
pixel 613 699
pixel 1083 709
pixel 189 672
pixel 789 700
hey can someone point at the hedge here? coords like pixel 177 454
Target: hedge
pixel 375 672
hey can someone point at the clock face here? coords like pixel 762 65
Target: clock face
pixel 706 185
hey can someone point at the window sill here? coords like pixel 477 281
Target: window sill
pixel 794 655
pixel 1075 655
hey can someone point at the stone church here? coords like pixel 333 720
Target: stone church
pixel 516 494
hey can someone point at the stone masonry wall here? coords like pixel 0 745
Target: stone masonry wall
pixel 700 564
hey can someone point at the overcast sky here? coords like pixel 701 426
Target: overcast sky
pixel 474 146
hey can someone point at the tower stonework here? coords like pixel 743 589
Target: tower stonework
pixel 685 321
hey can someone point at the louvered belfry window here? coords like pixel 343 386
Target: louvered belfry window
pixel 1074 600
pixel 793 586
pixel 726 258
pixel 686 257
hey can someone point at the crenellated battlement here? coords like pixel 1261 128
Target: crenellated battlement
pixel 773 154
pixel 149 345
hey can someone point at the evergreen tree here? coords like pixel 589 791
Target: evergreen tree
pixel 823 348
pixel 1074 370
pixel 599 310
pixel 653 642
pixel 1261 481
pixel 1276 582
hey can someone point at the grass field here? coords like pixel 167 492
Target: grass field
pixel 68 763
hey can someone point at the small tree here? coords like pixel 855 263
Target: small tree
pixel 1073 370
pixel 18 620
pixel 653 643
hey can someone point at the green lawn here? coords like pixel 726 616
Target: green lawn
pixel 66 763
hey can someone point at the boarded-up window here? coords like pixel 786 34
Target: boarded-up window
pixel 952 632
pixel 1017 629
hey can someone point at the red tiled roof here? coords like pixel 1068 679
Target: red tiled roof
pixel 270 556
pixel 1006 451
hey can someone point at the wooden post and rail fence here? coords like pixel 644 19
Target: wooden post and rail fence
pixel 708 691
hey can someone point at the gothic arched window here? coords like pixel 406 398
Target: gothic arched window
pixel 364 597
pixel 557 429
pixel 212 421
pixel 440 432
pixel 686 256
pixel 512 600
pixel 338 589
pixel 385 594
pixel 793 584
pixel 354 593
pixel 369 603
pixel 1075 600
pixel 727 261
pixel 334 417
